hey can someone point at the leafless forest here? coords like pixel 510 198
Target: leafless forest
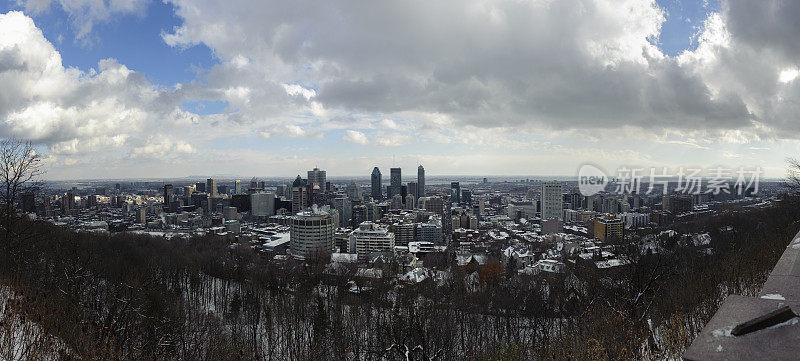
pixel 68 295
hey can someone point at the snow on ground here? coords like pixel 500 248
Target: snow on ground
pixel 20 338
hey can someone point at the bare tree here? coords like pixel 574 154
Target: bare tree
pixel 20 171
pixel 793 173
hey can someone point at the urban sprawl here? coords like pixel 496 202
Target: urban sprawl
pixel 393 229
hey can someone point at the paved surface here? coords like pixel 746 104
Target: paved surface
pixel 780 342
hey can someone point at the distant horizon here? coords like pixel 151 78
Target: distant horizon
pixel 346 177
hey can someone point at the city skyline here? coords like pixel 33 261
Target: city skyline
pixel 138 89
pixel 399 179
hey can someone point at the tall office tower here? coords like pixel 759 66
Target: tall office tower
pixel 420 182
pixel 377 192
pixel 200 187
pixel 345 209
pixel 169 191
pixel 369 238
pixel 65 205
pixel 317 176
pixel 237 187
pixel 71 200
pixel 552 200
pixel 311 233
pixel 262 204
pixel 255 185
pixel 211 186
pixel 299 195
pixel 353 190
pixel 281 190
pixel 466 198
pixel 455 192
pixel 413 187
pixel 299 182
pixel 395 183
pixel 187 191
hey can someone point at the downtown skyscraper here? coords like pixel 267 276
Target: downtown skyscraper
pixel 317 176
pixel 420 181
pixel 211 186
pixel 377 192
pixel 395 182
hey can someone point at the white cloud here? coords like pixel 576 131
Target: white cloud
pixel 291 131
pixel 357 137
pixel 160 146
pixel 296 89
pixel 389 124
pixel 468 73
pixel 788 75
pixel 574 64
pixel 392 139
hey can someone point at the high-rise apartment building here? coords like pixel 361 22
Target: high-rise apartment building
pixel 403 232
pixel 312 233
pixel 608 229
pixel 552 200
pixel 429 232
pixel 141 215
pixel 370 238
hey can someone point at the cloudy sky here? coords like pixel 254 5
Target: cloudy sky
pixel 151 88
